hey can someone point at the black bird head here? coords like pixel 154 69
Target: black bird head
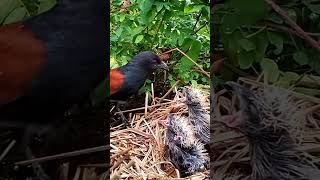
pixel 249 116
pixel 149 60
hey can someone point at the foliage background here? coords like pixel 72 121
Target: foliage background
pixel 161 25
pixel 254 39
pixel 17 10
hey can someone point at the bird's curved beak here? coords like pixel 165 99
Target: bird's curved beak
pixel 162 66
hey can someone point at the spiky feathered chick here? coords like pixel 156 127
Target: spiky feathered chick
pixel 185 151
pixel 272 147
pixel 198 116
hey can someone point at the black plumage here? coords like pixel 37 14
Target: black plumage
pixel 50 63
pixel 74 60
pixel 136 73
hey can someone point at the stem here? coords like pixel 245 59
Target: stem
pixel 291 23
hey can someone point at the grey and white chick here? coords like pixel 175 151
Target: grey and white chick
pixel 185 151
pixel 198 116
pixel 272 148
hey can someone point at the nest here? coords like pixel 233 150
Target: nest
pixel 138 152
pixel 230 149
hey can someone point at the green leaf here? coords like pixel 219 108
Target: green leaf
pixel 146 5
pixel 261 42
pixel 270 69
pixel 194 83
pixel 159 6
pixel 291 76
pixel 193 53
pixel 138 39
pixel 16 15
pixel 186 44
pixel 6 6
pixel 246 59
pixel 301 58
pixel 193 9
pixel 275 18
pixel 276 40
pixel 122 17
pixel 287 79
pixel 230 23
pixel 246 14
pixel 313 7
pixel 247 45
pixel 45 5
pixel 147 17
pixel 137 30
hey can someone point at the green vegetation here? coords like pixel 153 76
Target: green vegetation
pixel 162 25
pixel 17 10
pixel 254 38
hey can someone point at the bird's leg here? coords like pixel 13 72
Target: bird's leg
pixel 118 104
pixel 26 141
pixel 124 119
pixel 37 169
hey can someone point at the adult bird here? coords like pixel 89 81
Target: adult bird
pixel 126 80
pixel 50 62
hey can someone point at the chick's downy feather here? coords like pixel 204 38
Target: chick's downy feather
pixel 198 116
pixel 185 151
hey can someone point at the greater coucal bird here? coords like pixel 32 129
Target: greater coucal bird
pixel 126 80
pixel 52 61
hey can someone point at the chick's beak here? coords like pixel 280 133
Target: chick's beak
pixel 165 122
pixel 162 66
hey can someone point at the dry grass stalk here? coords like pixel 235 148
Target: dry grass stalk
pixel 138 152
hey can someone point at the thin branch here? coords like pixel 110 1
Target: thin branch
pixel 291 23
pixel 65 155
pixel 195 32
pixel 198 19
pixel 177 49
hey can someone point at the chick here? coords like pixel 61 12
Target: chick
pixel 198 116
pixel 272 148
pixel 184 150
pixel 179 131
